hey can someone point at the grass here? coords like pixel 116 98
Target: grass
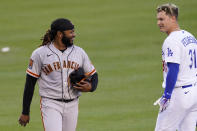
pixel 121 39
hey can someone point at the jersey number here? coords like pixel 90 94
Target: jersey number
pixel 192 54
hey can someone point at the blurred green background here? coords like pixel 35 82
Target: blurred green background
pixel 123 42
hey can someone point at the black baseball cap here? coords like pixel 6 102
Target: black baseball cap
pixel 61 24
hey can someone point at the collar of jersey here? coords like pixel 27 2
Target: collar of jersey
pixel 57 51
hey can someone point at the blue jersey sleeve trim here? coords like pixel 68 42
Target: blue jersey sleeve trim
pixel 173 69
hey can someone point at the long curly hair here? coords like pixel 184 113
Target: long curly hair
pixel 48 37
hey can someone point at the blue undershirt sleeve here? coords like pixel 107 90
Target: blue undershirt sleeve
pixel 173 69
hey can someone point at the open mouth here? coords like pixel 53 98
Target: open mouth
pixel 161 27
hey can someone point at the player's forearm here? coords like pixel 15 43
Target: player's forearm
pixel 28 93
pixel 171 79
pixel 94 81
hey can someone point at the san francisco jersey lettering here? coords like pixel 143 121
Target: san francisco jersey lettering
pixel 53 67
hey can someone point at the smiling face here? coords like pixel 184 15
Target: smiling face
pixel 64 39
pixel 164 22
pixel 70 34
pixel 167 15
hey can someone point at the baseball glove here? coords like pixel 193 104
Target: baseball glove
pixel 78 75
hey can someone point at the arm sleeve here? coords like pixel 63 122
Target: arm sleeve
pixel 28 93
pixel 94 81
pixel 171 79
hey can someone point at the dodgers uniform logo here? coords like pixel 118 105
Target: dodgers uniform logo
pixel 170 53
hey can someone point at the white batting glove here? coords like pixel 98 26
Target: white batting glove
pixel 157 102
pixel 164 103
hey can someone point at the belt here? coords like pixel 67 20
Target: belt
pixel 186 86
pixel 64 100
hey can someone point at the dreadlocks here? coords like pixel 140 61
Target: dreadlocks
pixel 46 38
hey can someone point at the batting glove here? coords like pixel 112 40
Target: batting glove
pixel 164 103
pixel 157 102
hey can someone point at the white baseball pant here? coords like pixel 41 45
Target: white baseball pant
pixel 59 116
pixel 181 114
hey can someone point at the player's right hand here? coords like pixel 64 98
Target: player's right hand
pixel 164 103
pixel 83 86
pixel 23 120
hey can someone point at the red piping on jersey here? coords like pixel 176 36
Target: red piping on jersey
pixel 32 73
pixel 41 113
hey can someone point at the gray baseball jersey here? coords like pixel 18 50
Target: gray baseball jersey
pixel 52 68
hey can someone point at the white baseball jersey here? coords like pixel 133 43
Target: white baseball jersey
pixel 181 114
pixel 181 47
pixel 52 68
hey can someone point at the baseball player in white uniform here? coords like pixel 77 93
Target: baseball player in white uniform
pixel 50 65
pixel 178 105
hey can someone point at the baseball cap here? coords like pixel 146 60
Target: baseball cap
pixel 61 24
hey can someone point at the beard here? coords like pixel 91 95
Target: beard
pixel 66 41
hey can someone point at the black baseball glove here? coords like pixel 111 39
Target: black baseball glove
pixel 78 75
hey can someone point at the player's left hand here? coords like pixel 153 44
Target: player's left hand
pixel 164 103
pixel 83 86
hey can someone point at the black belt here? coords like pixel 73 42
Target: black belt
pixel 64 100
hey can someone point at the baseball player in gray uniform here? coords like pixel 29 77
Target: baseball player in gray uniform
pixel 178 105
pixel 50 65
